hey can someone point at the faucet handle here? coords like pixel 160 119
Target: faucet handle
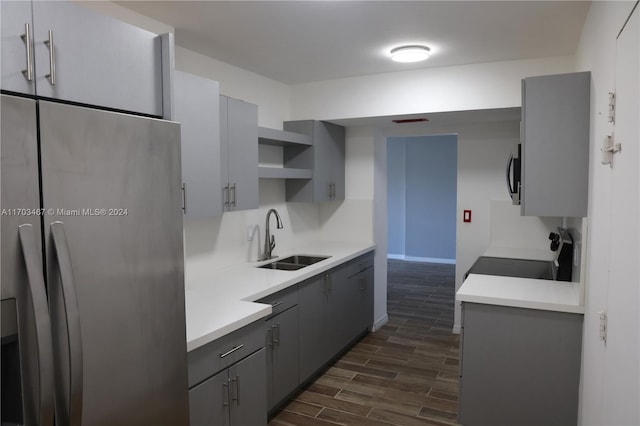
pixel 272 243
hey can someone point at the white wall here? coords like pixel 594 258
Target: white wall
pixel 599 404
pixel 458 88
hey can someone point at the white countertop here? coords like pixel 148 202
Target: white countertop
pixel 214 309
pixel 528 293
pixel 519 253
pixel 560 296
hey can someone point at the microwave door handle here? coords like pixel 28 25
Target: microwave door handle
pixel 40 400
pixel 72 317
pixel 508 174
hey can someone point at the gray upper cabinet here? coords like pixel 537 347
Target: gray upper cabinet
pixel 239 154
pixel 197 108
pixel 71 53
pixel 325 157
pixel 555 145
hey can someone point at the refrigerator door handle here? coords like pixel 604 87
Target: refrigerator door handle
pixel 509 164
pixel 42 397
pixel 72 316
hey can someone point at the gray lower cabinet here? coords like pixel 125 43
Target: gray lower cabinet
pixel 326 158
pixel 282 356
pixel 333 310
pixel 71 53
pixel 235 396
pixel 228 380
pixel 239 154
pixel 313 314
pixel 555 145
pixel 519 366
pixel 360 296
pixel 197 108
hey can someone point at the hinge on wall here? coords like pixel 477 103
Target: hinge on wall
pixel 608 149
pixel 603 326
pixel 612 107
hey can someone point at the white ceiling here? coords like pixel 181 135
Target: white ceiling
pixel 301 41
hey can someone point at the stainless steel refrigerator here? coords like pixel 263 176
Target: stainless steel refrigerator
pixel 93 320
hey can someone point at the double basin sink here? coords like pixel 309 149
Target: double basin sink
pixel 293 263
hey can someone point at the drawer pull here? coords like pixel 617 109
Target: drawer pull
pixel 273 305
pixel 229 352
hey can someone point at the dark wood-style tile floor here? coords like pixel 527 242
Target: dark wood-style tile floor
pixel 406 373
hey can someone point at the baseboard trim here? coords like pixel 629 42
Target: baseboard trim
pixel 380 323
pixel 421 259
pixel 456 329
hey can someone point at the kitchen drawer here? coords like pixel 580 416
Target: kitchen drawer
pixel 358 265
pixel 282 300
pixel 209 359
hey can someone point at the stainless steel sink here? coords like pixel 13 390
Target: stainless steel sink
pixel 293 263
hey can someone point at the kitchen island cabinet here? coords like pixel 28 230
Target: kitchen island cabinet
pixel 326 158
pixel 71 53
pixel 555 145
pixel 519 366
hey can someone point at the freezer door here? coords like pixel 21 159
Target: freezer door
pixel 30 396
pixel 113 233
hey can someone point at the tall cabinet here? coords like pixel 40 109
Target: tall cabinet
pixel 197 108
pixel 325 157
pixel 62 50
pixel 555 145
pixel 239 154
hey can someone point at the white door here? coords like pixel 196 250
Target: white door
pixel 622 355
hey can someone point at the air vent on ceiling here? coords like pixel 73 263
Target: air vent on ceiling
pixel 410 120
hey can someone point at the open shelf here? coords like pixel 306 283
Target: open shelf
pixel 283 173
pixel 275 137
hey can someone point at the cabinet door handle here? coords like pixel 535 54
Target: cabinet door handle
pixel 233 190
pixel 363 284
pixel 237 381
pixel 225 197
pixel 230 351
pixel 270 337
pixel 52 59
pixel 26 37
pixel 226 391
pixel 184 198
pixel 276 334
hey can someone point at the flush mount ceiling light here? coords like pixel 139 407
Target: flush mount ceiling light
pixel 413 53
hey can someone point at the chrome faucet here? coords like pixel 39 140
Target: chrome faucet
pixel 270 240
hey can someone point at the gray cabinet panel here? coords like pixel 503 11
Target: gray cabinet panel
pixel 248 391
pixel 285 354
pixel 555 151
pixel 519 366
pixel 242 131
pixel 325 157
pixel 239 154
pixel 197 108
pixel 98 60
pixel 209 402
pixel 15 14
pixel 312 314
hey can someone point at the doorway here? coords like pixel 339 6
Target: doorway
pixel 422 198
